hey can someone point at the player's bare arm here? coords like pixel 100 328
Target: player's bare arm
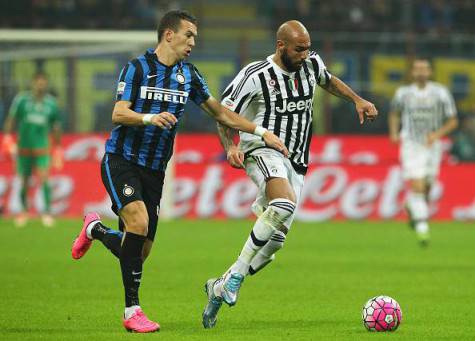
pixel 234 155
pixel 449 126
pixel 57 159
pixel 122 114
pixel 234 121
pixel 364 108
pixel 8 144
pixel 394 120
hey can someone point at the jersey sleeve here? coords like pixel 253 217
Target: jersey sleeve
pixel 15 107
pixel 129 81
pixel 199 89
pixel 448 103
pixel 239 93
pixel 55 114
pixel 322 75
pixel 397 101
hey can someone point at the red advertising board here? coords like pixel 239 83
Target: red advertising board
pixel 350 177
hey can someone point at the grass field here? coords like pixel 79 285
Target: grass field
pixel 313 291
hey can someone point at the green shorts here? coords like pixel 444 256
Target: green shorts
pixel 26 164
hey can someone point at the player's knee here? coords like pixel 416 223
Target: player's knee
pixel 136 222
pixel 135 218
pixel 280 210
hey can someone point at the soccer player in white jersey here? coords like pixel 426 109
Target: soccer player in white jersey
pixel 277 94
pixel 426 112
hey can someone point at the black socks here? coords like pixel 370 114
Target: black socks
pixel 111 239
pixel 131 266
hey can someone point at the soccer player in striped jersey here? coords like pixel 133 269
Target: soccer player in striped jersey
pixel 151 95
pixel 276 93
pixel 427 112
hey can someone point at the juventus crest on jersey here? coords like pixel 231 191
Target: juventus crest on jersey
pixel 280 101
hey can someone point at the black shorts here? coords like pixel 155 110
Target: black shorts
pixel 127 182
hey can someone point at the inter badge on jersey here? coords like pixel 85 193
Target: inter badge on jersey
pixel 180 78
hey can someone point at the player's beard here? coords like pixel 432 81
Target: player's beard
pixel 292 67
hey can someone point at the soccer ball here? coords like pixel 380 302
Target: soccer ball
pixel 382 314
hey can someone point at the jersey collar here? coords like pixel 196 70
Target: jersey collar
pixel 271 60
pixel 150 54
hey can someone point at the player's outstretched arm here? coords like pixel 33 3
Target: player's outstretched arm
pixel 364 108
pixel 232 120
pixel 122 114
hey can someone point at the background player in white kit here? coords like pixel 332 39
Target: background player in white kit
pixel 426 111
pixel 277 94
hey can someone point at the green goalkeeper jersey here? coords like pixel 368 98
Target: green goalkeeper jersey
pixel 34 119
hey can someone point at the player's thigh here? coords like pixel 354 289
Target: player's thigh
pixel 296 181
pixel 135 218
pixel 42 163
pixel 266 166
pixel 152 184
pixel 123 184
pixel 433 166
pixel 24 165
pixel 418 185
pixel 414 160
pixel 279 188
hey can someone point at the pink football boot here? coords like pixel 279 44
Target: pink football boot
pixel 82 243
pixel 139 323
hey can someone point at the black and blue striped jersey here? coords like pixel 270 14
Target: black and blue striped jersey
pixel 153 87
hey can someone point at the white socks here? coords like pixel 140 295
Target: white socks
pixel 265 226
pixel 130 311
pixel 266 254
pixel 419 210
pixel 89 229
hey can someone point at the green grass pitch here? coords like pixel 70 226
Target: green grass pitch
pixel 313 291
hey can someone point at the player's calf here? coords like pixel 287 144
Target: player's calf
pixel 267 253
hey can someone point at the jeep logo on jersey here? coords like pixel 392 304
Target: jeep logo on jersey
pixel 292 106
pixel 164 95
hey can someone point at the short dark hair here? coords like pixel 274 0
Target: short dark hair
pixel 40 74
pixel 422 59
pixel 172 20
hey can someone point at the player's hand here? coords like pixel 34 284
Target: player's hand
pixel 57 159
pixel 9 147
pixel 366 109
pixel 235 157
pixel 273 141
pixel 164 120
pixel 431 138
pixel 394 138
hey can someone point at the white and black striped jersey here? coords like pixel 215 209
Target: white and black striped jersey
pixel 280 101
pixel 422 110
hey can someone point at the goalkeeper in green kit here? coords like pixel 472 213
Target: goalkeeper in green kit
pixel 35 114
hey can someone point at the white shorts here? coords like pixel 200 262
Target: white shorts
pixel 419 161
pixel 264 163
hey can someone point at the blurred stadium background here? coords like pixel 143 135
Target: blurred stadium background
pixel 82 45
